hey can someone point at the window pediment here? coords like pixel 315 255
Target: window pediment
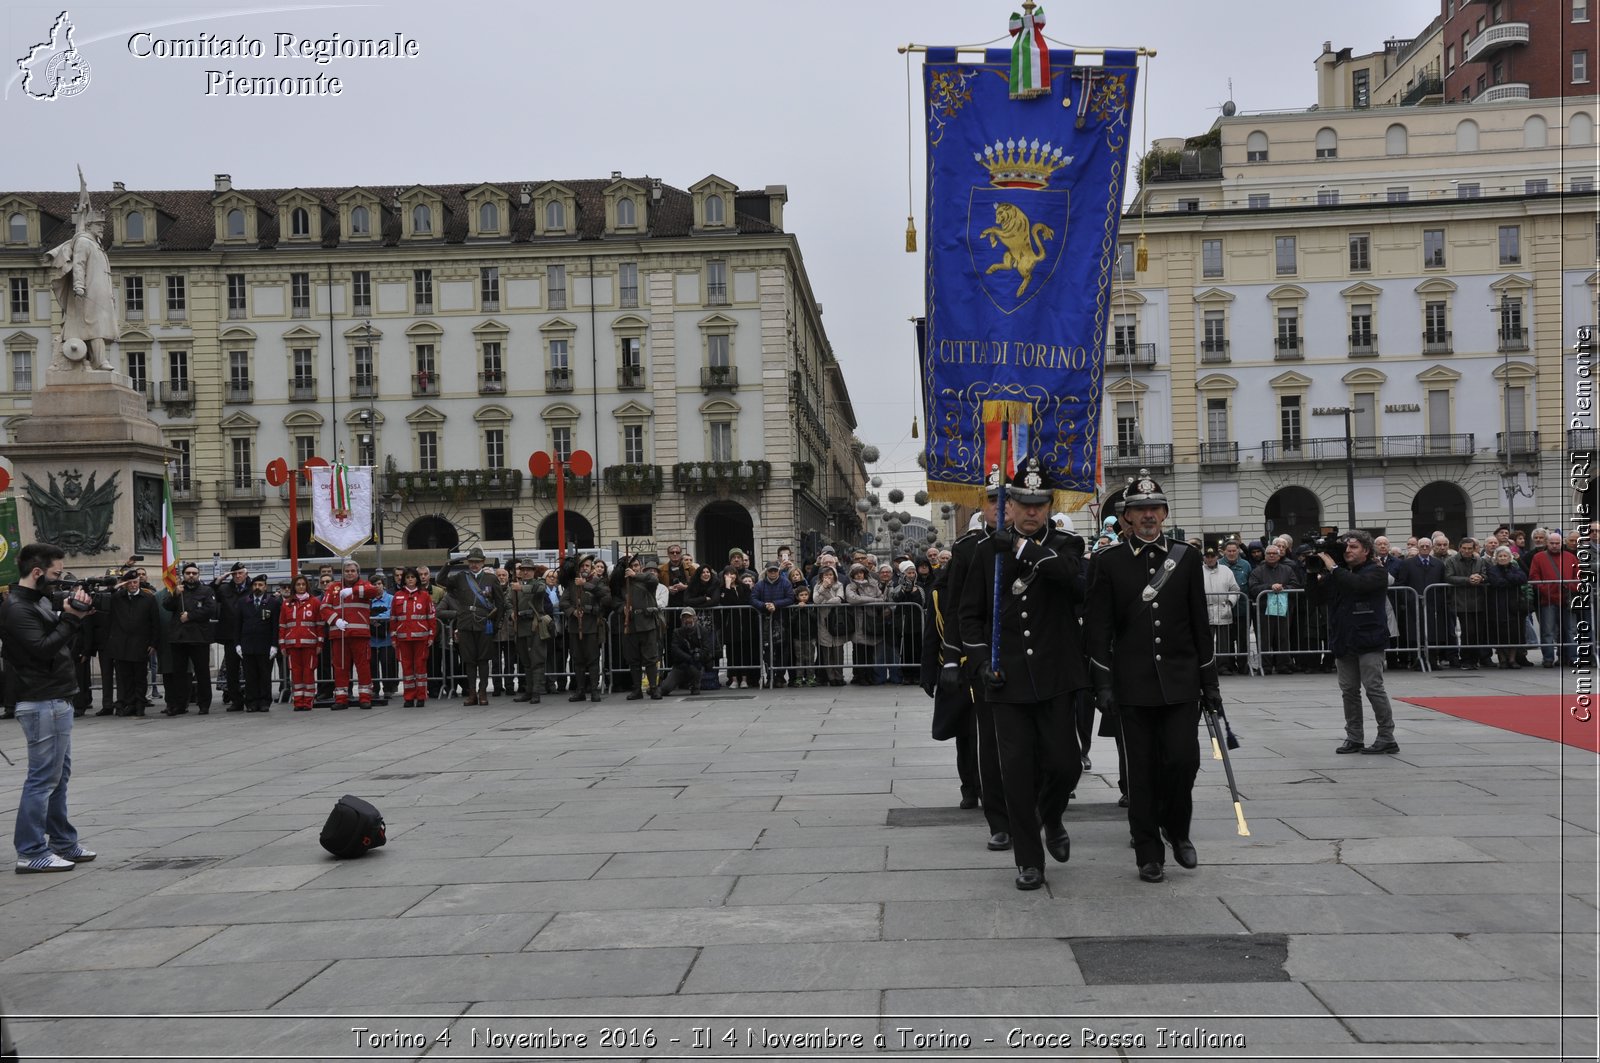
pixel 558 325
pixel 1362 290
pixel 1287 293
pixel 237 335
pixel 22 339
pixel 301 333
pixel 424 329
pixel 1290 381
pixel 1439 374
pixel 1128 297
pixel 1126 387
pixel 491 328
pixel 303 419
pixel 1217 382
pixel 560 411
pixel 239 422
pixel 493 413
pixel 632 410
pixel 1511 282
pixel 1515 372
pixel 719 408
pixel 718 323
pixel 1436 286
pixel 362 333
pixel 631 324
pixel 425 415
pixel 1214 296
pixel 357 418
pixel 135 335
pixel 1365 377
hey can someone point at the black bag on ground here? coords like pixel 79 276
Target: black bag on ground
pixel 353 827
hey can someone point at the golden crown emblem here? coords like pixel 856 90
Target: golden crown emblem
pixel 1021 163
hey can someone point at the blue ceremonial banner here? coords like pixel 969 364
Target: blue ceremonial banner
pixel 1024 200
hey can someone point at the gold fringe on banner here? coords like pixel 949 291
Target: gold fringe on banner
pixel 1071 501
pixel 970 495
pixel 1008 410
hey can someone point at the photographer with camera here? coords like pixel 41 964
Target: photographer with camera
pixel 1356 595
pixel 38 641
pixel 691 651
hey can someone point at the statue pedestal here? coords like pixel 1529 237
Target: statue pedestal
pixel 96 461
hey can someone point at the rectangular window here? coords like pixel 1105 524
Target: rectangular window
pixel 1188 205
pixel 1327 197
pixel 716 282
pixel 1125 262
pixel 558 355
pixel 633 444
pixel 1469 190
pixel 177 298
pixel 494 448
pixel 1259 155
pixel 239 370
pixel 1214 345
pixel 1128 435
pixel 1582 184
pixel 1449 58
pixel 22 370
pixel 721 440
pixel 361 292
pixel 1510 245
pixel 1360 252
pixel 245 533
pixel 497 524
pixel 1217 420
pixel 1360 328
pixel 1285 256
pixel 1288 333
pixel 1580 66
pixel 1517 410
pixel 1211 258
pixel 561 441
pixel 556 283
pixel 489 287
pixel 628 283
pixel 1126 331
pixel 366 448
pixel 1435 338
pixel 1399 194
pixel 493 363
pixel 1580 10
pixel 635 521
pixel 361 366
pixel 300 294
pixel 427 364
pixel 133 298
pixel 19 298
pixel 178 370
pixel 305 448
pixel 237 300
pixel 241 463
pixel 717 349
pixel 1433 249
pixel 1289 421
pixel 139 372
pixel 422 290
pixel 1439 413
pixel 305 377
pixel 632 352
pixel 428 451
pixel 1512 336
pixel 1259 200
pixel 1361 88
pixel 1535 186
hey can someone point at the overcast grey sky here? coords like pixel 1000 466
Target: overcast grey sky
pixel 810 94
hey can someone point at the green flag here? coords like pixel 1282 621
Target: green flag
pixel 10 542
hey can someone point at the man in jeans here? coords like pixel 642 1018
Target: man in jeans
pixel 1356 594
pixel 1553 571
pixel 38 652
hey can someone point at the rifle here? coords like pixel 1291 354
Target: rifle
pixel 1217 724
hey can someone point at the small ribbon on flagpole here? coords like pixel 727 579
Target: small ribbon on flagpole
pixel 1030 55
pixel 339 488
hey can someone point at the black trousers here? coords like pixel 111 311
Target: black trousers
pixel 232 667
pixel 990 783
pixel 132 679
pixel 681 676
pixel 967 755
pixel 191 674
pixel 257 668
pixel 1163 747
pixel 1039 766
pixel 585 650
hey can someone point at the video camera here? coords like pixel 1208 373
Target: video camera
pixel 1314 544
pixel 98 588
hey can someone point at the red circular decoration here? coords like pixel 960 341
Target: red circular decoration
pixel 539 464
pixel 5 479
pixel 314 462
pixel 277 472
pixel 581 463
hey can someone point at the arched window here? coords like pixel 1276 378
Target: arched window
pixel 235 222
pixel 17 228
pixel 360 222
pixel 555 216
pixel 1580 129
pixel 714 210
pixel 1395 140
pixel 1327 144
pixel 300 222
pixel 627 216
pixel 1467 136
pixel 135 226
pixel 1255 147
pixel 421 219
pixel 488 218
pixel 1535 131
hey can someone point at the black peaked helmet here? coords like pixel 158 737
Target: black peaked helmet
pixel 1030 485
pixel 1142 490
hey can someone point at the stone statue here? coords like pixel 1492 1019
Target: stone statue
pixel 80 275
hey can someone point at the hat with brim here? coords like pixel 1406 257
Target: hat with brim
pixel 690 613
pixel 1030 485
pixel 129 575
pixel 1143 490
pixel 475 554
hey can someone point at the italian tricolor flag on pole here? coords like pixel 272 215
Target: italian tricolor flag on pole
pixel 169 539
pixel 1030 55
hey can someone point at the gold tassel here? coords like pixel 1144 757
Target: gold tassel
pixel 911 233
pixel 1141 258
pixel 913 426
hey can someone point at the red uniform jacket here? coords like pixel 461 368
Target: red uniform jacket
pixel 355 610
pixel 411 616
pixel 300 622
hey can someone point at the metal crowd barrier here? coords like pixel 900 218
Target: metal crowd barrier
pixel 1285 631
pixel 1469 630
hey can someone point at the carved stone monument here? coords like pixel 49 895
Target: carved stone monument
pixel 87 461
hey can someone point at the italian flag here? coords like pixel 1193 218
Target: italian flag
pixel 169 540
pixel 1030 55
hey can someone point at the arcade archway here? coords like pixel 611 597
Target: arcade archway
pixel 432 533
pixel 1293 511
pixel 1441 506
pixel 580 533
pixel 719 528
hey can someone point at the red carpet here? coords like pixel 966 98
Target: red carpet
pixel 1553 717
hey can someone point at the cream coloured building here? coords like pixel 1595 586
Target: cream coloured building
pixel 1425 266
pixel 445 333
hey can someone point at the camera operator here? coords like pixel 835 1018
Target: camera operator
pixel 690 652
pixel 1356 595
pixel 132 630
pixel 38 644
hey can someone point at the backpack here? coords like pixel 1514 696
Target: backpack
pixel 354 826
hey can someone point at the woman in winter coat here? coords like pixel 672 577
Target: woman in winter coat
pixel 864 597
pixel 300 633
pixel 833 628
pixel 412 620
pixel 741 632
pixel 1506 582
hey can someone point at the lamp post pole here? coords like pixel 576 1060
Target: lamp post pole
pixel 1349 454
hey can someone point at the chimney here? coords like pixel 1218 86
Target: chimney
pixel 222 182
pixel 118 186
pixel 1327 46
pixel 616 175
pixel 777 196
pixel 525 195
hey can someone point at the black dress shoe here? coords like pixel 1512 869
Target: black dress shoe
pixel 1349 747
pixel 1383 747
pixel 1183 852
pixel 1029 878
pixel 105 712
pixel 635 696
pixel 999 841
pixel 1056 842
pixel 1122 802
pixel 1087 766
pixel 969 800
pixel 1152 872
pixel 577 697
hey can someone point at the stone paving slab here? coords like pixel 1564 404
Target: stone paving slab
pixel 882 965
pixel 778 925
pixel 336 939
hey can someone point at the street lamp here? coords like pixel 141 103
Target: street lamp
pixel 1349 452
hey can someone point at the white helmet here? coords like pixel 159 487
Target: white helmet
pixel 1064 522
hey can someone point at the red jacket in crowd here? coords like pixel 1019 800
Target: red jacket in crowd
pixel 354 608
pixel 411 615
pixel 1554 575
pixel 300 622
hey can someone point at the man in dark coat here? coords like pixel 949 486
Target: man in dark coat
pixel 196 608
pixel 690 651
pixel 132 630
pixel 585 605
pixel 1431 621
pixel 1041 665
pixel 231 593
pixel 477 602
pixel 258 643
pixel 1151 651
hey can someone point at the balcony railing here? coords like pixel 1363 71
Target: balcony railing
pixel 1425 86
pixel 1224 453
pixel 364 386
pixel 144 387
pixel 1513 339
pixel 177 392
pixel 303 389
pixel 457 484
pixel 185 492
pixel 1579 439
pixel 1288 349
pixel 558 380
pixel 1139 456
pixel 630 377
pixel 634 479
pixel 493 383
pixel 1437 342
pixel 1511 90
pixel 576 486
pixel 302 489
pixel 1141 355
pixel 424 385
pixel 719 377
pixel 1512 446
pixel 1431 445
pixel 1363 345
pixel 1332 448
pixel 241 490
pixel 1495 38
pixel 240 391
pixel 1214 351
pixel 721 475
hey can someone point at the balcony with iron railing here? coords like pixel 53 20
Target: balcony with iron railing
pixel 1288 349
pixel 424 384
pixel 492 382
pixel 1580 439
pixel 177 392
pixel 1516 446
pixel 1214 351
pixel 364 386
pixel 719 378
pixel 1513 339
pixel 303 389
pixel 1221 454
pixel 301 487
pixel 1366 448
pixel 630 377
pixel 185 491
pixel 1496 38
pixel 1436 341
pixel 1430 84
pixel 241 489
pixel 239 392
pixel 1435 445
pixel 721 475
pixel 634 479
pixel 558 379
pixel 456 484
pixel 144 387
pixel 1363 345
pixel 1132 355
pixel 1152 456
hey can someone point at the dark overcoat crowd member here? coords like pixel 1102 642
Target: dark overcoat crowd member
pixel 529 607
pixel 1274 575
pixel 195 606
pixel 690 651
pixel 1041 661
pixel 740 628
pixel 1150 647
pixel 231 593
pixel 477 603
pixel 585 604
pixel 1433 625
pixel 676 575
pixel 132 631
pixel 772 597
pixel 258 643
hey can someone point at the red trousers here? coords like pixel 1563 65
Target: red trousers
pixel 303 674
pixel 413 656
pixel 348 651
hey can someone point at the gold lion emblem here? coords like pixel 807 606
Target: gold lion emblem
pixel 1024 243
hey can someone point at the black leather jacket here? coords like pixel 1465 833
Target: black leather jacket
pixel 38 646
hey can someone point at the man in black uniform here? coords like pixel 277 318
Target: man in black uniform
pixel 1041 664
pixel 1150 651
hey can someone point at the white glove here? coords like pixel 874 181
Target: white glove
pixel 272 651
pixel 346 593
pixel 239 650
pixel 341 623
